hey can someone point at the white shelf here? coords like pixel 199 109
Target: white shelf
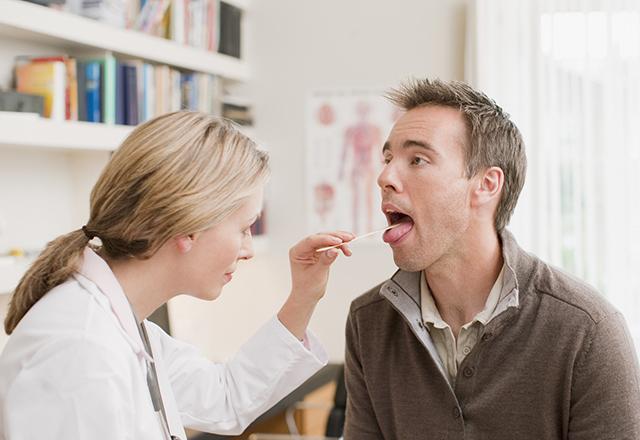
pixel 23 20
pixel 31 131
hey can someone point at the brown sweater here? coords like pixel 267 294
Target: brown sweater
pixel 560 366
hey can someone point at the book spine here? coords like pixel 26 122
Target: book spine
pixel 121 117
pixel 93 96
pixel 109 97
pixel 82 90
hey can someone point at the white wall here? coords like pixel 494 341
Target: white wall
pixel 295 48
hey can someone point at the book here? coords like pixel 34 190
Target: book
pixel 71 88
pixel 93 94
pixel 21 102
pixel 188 91
pixel 82 90
pixel 230 30
pixel 48 79
pixel 109 66
pixel 112 12
pixel 178 21
pixel 120 95
pixel 237 110
pixel 148 92
pixel 130 94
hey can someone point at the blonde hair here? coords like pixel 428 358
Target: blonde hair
pixel 494 140
pixel 179 173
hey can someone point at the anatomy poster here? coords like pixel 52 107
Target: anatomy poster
pixel 346 130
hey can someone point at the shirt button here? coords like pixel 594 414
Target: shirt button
pixel 456 413
pixel 467 372
pixel 466 350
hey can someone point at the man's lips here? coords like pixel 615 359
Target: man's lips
pixel 396 215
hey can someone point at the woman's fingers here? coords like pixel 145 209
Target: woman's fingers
pixel 326 239
pixel 306 250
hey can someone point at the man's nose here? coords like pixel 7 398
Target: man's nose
pixel 389 179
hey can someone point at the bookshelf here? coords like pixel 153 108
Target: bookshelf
pixel 30 131
pixel 30 22
pixel 47 167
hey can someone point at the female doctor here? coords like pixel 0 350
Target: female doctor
pixel 172 210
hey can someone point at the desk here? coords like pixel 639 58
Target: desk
pixel 327 374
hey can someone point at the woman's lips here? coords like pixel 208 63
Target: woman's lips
pixel 228 277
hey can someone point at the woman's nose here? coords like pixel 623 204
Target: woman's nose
pixel 247 252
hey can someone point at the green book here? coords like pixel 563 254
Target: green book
pixel 109 89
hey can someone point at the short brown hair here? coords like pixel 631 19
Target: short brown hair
pixel 494 140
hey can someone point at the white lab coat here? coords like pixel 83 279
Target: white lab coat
pixel 75 368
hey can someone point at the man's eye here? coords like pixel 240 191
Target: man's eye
pixel 386 160
pixel 418 161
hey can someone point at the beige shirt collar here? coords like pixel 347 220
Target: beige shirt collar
pixel 503 294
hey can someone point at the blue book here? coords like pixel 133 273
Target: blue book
pixel 93 91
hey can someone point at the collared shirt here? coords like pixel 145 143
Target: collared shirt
pixel 452 351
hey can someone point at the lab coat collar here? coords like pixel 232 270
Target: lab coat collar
pixel 96 270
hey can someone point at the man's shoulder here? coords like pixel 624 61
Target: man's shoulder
pixel 572 293
pixel 370 298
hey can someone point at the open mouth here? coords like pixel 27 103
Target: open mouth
pixel 405 222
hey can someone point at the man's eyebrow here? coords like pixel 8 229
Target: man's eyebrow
pixel 412 143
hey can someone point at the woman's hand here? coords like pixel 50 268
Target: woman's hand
pixel 309 276
pixel 310 269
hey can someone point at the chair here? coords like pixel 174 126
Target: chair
pixel 335 420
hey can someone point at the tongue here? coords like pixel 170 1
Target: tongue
pixel 395 234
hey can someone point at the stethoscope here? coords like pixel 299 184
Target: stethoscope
pixel 153 385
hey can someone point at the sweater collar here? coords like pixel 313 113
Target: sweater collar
pixel 518 267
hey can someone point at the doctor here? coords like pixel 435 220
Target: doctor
pixel 172 210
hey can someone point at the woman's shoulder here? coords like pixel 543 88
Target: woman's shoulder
pixel 68 307
pixel 68 315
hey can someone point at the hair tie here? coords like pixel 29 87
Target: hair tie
pixel 90 235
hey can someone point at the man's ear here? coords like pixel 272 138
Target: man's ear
pixel 184 243
pixel 489 186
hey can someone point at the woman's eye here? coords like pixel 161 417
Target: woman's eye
pixel 386 160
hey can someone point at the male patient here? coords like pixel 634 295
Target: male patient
pixel 473 338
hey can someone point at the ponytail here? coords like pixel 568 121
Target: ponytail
pixel 178 173
pixel 55 264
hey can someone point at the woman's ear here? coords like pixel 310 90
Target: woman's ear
pixel 489 186
pixel 184 243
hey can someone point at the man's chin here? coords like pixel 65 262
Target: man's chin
pixel 407 264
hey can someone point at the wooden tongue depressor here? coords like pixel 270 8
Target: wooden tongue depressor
pixel 357 238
